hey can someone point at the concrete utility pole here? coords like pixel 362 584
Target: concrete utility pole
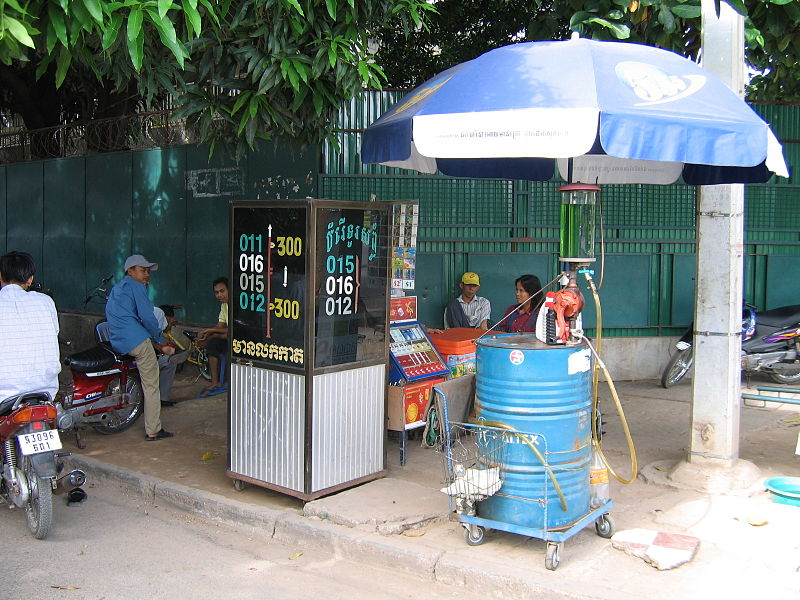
pixel 713 463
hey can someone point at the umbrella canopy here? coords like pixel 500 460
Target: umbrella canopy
pixel 605 112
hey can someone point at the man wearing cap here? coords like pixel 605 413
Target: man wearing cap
pixel 134 330
pixel 468 309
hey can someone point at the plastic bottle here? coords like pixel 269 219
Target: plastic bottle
pixel 598 480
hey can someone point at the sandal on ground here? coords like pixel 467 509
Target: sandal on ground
pixel 76 497
pixel 213 391
pixel 159 436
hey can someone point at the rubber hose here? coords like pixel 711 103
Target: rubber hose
pixel 600 365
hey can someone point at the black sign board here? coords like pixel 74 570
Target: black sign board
pixel 351 285
pixel 273 260
pixel 268 288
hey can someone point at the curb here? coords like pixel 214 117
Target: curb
pixel 365 547
pixel 284 526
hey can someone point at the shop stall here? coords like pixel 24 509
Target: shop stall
pixel 308 344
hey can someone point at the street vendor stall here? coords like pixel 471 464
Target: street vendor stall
pixel 308 345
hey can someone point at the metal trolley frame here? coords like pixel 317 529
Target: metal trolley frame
pixel 473 458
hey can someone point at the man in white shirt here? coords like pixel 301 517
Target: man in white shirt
pixel 29 357
pixel 469 309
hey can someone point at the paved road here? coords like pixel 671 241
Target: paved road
pixel 113 547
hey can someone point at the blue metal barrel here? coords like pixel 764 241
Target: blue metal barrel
pixel 542 390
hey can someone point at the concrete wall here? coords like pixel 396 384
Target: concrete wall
pixel 634 358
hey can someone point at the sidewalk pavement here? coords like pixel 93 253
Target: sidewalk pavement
pixel 749 546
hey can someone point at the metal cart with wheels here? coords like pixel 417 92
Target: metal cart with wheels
pixel 475 466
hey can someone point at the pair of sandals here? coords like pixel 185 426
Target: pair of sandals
pixel 213 391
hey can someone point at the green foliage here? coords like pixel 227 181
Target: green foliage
pixel 241 70
pixel 247 70
pixel 463 29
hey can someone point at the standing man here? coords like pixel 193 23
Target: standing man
pixel 133 329
pixel 29 358
pixel 468 309
pixel 215 339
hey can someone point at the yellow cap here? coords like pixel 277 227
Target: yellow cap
pixel 470 278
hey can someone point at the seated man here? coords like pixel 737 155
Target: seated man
pixel 29 357
pixel 133 330
pixel 468 309
pixel 215 339
pixel 166 364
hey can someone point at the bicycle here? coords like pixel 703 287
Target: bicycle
pixel 101 292
pixel 192 351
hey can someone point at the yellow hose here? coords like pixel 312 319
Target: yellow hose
pixel 600 365
pixel 599 344
pixel 499 425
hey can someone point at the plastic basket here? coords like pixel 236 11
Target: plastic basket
pixel 784 490
pixel 473 461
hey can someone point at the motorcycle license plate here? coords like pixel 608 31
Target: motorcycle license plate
pixel 40 441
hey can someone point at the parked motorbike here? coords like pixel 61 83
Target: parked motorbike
pixel 106 392
pixel 29 470
pixel 770 345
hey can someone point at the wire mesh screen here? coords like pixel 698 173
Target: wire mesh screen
pixel 444 202
pixel 663 206
pixel 772 207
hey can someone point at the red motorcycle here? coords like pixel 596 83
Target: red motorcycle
pixel 29 470
pixel 106 392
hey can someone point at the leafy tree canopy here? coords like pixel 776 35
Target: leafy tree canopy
pixel 463 29
pixel 246 70
pixel 238 69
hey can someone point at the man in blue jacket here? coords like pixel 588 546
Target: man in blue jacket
pixel 134 330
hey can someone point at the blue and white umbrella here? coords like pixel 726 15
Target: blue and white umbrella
pixel 604 112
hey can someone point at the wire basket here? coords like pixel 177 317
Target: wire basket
pixel 473 459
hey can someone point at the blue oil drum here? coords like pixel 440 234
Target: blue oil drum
pixel 544 391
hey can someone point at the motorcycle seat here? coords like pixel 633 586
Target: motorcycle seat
pixel 780 317
pixel 99 358
pixel 7 404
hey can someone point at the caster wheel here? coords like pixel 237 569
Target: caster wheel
pixel 474 535
pixel 239 485
pixel 552 558
pixel 604 526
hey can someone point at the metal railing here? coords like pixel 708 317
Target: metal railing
pixel 130 132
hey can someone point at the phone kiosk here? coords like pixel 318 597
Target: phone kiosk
pixel 416 367
pixel 308 344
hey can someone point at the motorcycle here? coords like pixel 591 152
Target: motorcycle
pixel 770 345
pixel 29 470
pixel 106 392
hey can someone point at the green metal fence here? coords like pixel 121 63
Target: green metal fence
pixel 80 217
pixel 503 229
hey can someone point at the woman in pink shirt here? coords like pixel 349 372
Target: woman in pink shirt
pixel 522 315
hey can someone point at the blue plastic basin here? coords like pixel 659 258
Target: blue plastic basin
pixel 785 490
